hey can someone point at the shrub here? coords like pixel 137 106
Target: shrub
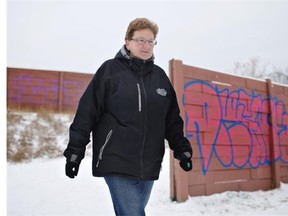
pixel 35 135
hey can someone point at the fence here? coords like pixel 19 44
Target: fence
pixel 42 89
pixel 238 130
pixel 238 127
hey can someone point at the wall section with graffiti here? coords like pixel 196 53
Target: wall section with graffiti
pixel 34 89
pixel 238 128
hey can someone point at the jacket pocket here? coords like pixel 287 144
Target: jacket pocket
pixel 103 147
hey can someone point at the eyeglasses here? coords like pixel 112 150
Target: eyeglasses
pixel 142 41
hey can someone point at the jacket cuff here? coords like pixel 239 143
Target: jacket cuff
pixel 184 155
pixel 71 157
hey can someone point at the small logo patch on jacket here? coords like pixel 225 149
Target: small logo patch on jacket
pixel 161 91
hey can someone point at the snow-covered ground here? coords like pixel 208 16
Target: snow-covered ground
pixel 40 188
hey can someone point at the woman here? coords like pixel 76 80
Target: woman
pixel 130 107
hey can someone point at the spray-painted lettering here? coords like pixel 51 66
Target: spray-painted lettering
pixel 234 126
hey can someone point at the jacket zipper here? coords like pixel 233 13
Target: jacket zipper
pixel 103 147
pixel 139 98
pixel 144 127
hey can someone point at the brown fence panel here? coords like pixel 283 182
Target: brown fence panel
pixel 238 128
pixel 42 89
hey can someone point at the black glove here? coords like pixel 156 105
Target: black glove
pixel 185 161
pixel 72 166
pixel 186 164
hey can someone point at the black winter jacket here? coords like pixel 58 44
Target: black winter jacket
pixel 131 107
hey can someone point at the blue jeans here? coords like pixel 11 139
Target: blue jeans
pixel 129 195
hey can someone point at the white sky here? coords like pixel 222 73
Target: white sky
pixel 80 35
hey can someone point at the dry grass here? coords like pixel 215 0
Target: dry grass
pixel 35 135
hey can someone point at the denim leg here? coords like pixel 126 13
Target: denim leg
pixel 129 195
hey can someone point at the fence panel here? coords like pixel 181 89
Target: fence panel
pixel 238 130
pixel 42 89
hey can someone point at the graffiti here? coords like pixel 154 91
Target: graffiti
pixel 37 91
pixel 234 126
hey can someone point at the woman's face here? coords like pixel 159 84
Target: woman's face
pixel 142 44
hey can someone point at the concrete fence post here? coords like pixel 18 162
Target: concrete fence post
pixel 275 167
pixel 60 92
pixel 178 178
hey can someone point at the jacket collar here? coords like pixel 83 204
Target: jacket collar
pixel 137 65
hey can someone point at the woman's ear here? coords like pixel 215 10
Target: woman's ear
pixel 127 44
